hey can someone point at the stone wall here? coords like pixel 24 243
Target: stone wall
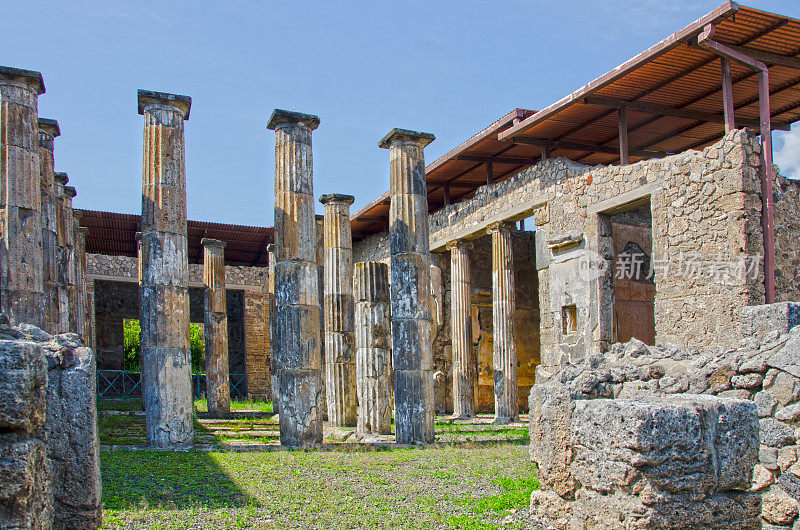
pixel 787 228
pixel 257 344
pixel 761 369
pixel 113 267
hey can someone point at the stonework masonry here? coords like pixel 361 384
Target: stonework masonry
pixel 165 279
pixel 297 302
pixel 21 283
pixel 410 271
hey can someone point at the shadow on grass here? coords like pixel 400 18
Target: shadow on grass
pixel 168 480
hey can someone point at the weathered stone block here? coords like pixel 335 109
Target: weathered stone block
pixel 25 497
pixel 23 382
pixel 72 435
pixel 414 406
pixel 411 288
pixel 758 320
pixel 297 338
pixel 301 395
pixel 409 338
pixel 296 283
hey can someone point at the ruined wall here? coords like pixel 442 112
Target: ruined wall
pixel 763 369
pixel 787 249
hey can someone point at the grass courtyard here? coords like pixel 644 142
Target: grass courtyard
pixel 477 476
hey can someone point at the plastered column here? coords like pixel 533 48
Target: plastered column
pixel 21 263
pixel 373 347
pixel 506 402
pixel 297 302
pixel 48 131
pixel 340 362
pixel 215 320
pixel 166 363
pixel 465 362
pixel 410 286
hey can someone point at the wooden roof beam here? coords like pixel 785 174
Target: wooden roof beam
pixel 512 160
pixel 576 146
pixel 660 110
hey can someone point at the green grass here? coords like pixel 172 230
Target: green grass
pixel 123 405
pixel 201 405
pixel 465 487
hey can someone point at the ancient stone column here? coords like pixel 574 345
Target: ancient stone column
pixel 297 303
pixel 80 278
pixel 215 320
pixel 340 362
pixel 411 286
pixel 273 354
pixel 465 362
pixel 504 349
pixel 64 253
pixel 21 262
pixel 166 363
pixel 373 348
pixel 48 131
pixel 71 258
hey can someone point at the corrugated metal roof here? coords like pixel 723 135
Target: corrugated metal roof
pixel 665 88
pixel 115 234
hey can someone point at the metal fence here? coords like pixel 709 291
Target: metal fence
pixel 127 384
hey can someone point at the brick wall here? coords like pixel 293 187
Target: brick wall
pixel 257 343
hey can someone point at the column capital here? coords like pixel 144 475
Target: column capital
pixel 32 78
pixel 401 135
pixel 138 236
pixel 337 198
pixel 61 177
pixel 145 98
pixel 70 192
pixel 271 247
pixel 49 126
pixel 209 242
pixel 83 231
pixel 500 225
pixel 282 117
pixel 456 243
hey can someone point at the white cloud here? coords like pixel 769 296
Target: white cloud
pixel 787 156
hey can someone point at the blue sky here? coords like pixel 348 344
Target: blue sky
pixel 446 67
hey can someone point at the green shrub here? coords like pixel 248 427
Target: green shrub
pixel 132 348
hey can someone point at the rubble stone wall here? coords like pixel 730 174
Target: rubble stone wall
pixel 787 249
pixel 761 369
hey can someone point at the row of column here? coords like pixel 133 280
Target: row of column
pixel 504 353
pixel 42 248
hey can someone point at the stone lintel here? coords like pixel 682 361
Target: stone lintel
pixel 149 97
pixel 61 177
pixel 49 126
pixel 280 117
pixel 70 191
pixel 337 198
pixel 209 242
pixel 396 135
pixel 29 77
pixel 501 225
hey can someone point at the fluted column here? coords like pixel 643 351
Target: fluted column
pixel 340 363
pixel 21 262
pixel 273 353
pixel 64 254
pixel 166 362
pixel 410 286
pixel 48 131
pixel 69 258
pixel 465 362
pixel 506 401
pixel 80 278
pixel 297 302
pixel 215 320
pixel 373 347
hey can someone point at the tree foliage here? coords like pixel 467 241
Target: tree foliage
pixel 132 347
